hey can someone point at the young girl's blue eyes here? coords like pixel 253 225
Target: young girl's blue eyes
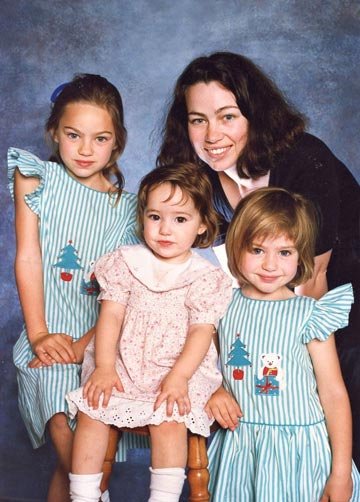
pixel 283 252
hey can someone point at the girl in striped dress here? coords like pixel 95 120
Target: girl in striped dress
pixel 67 213
pixel 279 362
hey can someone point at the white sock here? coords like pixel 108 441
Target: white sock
pixel 166 484
pixel 85 487
pixel 105 496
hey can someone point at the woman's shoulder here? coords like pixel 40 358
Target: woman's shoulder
pixel 309 158
pixel 310 147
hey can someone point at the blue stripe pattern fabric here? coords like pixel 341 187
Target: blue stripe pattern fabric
pixel 280 451
pixel 77 225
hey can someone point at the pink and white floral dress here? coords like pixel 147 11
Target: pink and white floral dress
pixel 162 300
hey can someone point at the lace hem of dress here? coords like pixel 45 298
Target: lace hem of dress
pixel 131 414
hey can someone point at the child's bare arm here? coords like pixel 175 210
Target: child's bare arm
pixel 335 402
pixel 107 332
pixel 174 387
pixel 29 278
pixel 80 345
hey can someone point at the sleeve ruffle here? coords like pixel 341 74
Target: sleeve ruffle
pixel 330 313
pixel 114 277
pixel 31 166
pixel 209 297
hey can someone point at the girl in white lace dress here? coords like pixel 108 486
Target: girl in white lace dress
pixel 153 361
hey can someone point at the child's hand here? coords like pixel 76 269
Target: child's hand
pixel 174 389
pixel 224 408
pixel 337 489
pixel 102 381
pixel 54 347
pixel 36 363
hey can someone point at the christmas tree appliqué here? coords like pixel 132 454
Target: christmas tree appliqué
pixel 68 260
pixel 238 357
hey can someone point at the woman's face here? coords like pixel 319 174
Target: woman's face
pixel 217 129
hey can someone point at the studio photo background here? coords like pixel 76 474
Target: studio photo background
pixel 310 48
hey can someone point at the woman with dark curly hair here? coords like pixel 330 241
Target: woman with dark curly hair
pixel 228 116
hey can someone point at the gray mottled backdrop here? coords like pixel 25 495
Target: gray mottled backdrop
pixel 311 49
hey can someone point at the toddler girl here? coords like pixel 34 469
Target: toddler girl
pixel 154 361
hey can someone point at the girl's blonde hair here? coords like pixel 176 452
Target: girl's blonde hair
pixel 194 183
pixel 271 212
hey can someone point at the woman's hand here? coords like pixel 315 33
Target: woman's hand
pixel 102 381
pixel 224 409
pixel 337 489
pixel 174 389
pixel 53 348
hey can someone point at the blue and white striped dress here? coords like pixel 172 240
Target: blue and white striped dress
pixel 280 452
pixel 77 225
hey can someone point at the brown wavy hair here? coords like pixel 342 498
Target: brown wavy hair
pixel 274 124
pixel 97 90
pixel 270 212
pixel 194 183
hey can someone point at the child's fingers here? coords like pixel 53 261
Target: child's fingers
pixel 170 406
pixel 208 412
pixel 89 392
pixel 107 396
pixel 36 363
pixel 235 413
pixel 44 357
pixel 227 419
pixel 86 388
pixel 184 405
pixel 222 417
pixel 55 347
pixel 62 352
pixel 119 386
pixel 160 399
pixel 94 394
pixel 187 405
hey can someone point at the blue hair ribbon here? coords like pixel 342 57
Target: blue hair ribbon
pixel 57 92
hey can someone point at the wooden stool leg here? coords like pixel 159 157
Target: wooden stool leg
pixel 198 474
pixel 114 436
